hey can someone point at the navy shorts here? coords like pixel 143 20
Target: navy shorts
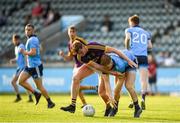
pixel 142 61
pixel 129 68
pixel 35 72
pixel 18 71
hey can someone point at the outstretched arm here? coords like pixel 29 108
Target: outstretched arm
pixel 105 79
pixel 103 69
pixel 111 49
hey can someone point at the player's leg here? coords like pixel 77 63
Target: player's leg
pixel 23 81
pixel 144 84
pixel 104 96
pixel 129 82
pixel 24 75
pixel 82 87
pixel 81 96
pixel 80 74
pixel 30 96
pixel 43 91
pixel 119 81
pixel 15 86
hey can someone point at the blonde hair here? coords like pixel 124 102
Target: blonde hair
pixel 76 46
pixel 105 60
pixel 134 19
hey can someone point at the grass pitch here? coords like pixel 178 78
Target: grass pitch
pixel 159 109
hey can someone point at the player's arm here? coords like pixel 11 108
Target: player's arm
pixel 111 49
pixel 103 69
pixel 127 40
pixel 105 79
pixel 32 52
pixel 12 60
pixel 150 46
pixel 68 57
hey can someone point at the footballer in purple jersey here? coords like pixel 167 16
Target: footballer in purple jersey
pixel 87 53
pixel 92 55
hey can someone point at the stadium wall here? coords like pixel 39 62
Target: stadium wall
pixel 59 80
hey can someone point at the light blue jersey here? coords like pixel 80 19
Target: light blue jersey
pixel 20 59
pixel 33 61
pixel 120 64
pixel 139 39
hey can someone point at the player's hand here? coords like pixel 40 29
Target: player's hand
pixel 61 53
pixel 132 64
pixel 22 51
pixel 115 73
pixel 113 102
pixel 11 61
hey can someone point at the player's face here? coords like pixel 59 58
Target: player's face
pixel 130 23
pixel 82 51
pixel 29 31
pixel 71 33
pixel 15 41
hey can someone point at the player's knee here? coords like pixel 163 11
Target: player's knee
pixel 76 79
pixel 20 81
pixel 101 92
pixel 116 92
pixel 13 82
pixel 128 86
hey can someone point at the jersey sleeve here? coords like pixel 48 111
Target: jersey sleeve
pixel 85 42
pixel 21 47
pixel 149 36
pixel 33 43
pixel 97 46
pixel 127 30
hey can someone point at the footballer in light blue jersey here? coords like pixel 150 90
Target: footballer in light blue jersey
pixel 121 65
pixel 138 41
pixel 34 66
pixel 35 60
pixel 20 59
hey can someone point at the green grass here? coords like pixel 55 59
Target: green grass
pixel 159 109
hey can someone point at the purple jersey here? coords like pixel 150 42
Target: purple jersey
pixel 95 51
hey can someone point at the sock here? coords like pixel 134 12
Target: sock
pixel 92 87
pixel 30 97
pixel 136 105
pixel 108 105
pixel 143 97
pixel 18 96
pixel 49 100
pixel 117 103
pixel 35 92
pixel 73 102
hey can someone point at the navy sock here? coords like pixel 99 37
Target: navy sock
pixel 136 105
pixel 143 97
pixel 49 100
pixel 18 96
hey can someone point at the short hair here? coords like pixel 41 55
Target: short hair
pixel 73 28
pixel 134 19
pixel 76 46
pixel 30 25
pixel 15 36
pixel 105 60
